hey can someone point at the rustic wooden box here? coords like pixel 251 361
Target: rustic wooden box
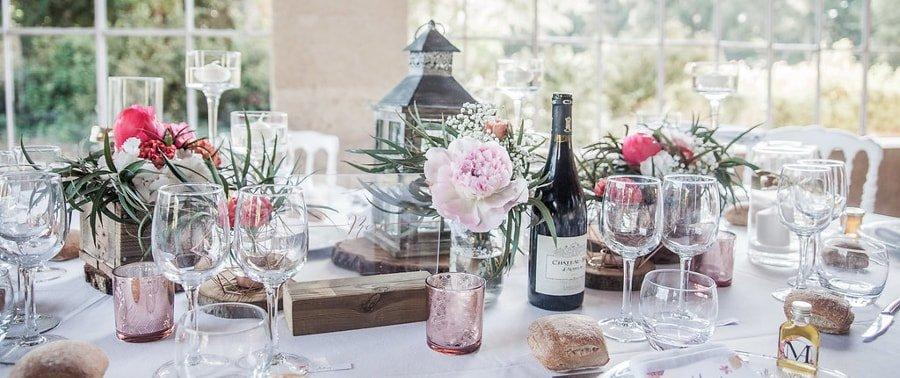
pixel 354 303
pixel 113 245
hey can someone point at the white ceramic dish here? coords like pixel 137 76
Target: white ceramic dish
pixel 763 365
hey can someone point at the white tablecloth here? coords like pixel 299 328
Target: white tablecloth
pixel 400 350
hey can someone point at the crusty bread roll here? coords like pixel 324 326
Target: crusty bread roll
pixel 567 342
pixel 62 359
pixel 830 313
pixel 737 214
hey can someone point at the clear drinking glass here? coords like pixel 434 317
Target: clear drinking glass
pixel 691 221
pixel 8 157
pixel 715 81
pixel 841 187
pixel 190 235
pixel 631 224
pixel 7 302
pixel 143 302
pixel 678 311
pixel 806 201
pixel 854 267
pixel 220 340
pixel 213 72
pixel 455 312
pixel 267 129
pixel 33 229
pixel 125 91
pixel 519 79
pixel 271 241
pixel 655 120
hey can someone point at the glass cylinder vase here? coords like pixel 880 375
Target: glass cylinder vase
pixel 481 254
pixel 125 91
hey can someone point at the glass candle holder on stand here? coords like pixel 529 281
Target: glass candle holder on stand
pixel 519 79
pixel 715 81
pixel 213 72
pixel 125 91
pixel 267 129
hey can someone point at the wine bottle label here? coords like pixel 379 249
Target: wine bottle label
pixel 560 266
pixel 798 349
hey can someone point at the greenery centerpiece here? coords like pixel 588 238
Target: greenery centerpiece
pixel 476 174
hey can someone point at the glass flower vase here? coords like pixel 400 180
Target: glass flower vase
pixel 481 254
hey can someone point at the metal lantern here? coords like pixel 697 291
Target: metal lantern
pixel 430 92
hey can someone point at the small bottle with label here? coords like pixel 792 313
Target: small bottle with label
pixel 798 342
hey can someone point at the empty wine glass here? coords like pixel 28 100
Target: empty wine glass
pixel 7 302
pixel 631 222
pixel 677 311
pixel 841 187
pixel 691 221
pixel 271 240
pixel 33 228
pixel 46 157
pixel 519 79
pixel 213 72
pixel 715 81
pixel 806 201
pixel 189 235
pixel 8 157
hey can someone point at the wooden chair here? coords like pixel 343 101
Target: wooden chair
pixel 830 140
pixel 311 142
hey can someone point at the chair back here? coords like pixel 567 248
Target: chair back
pixel 830 140
pixel 311 142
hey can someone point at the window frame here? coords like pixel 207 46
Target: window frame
pixel 101 31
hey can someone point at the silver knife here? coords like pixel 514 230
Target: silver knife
pixel 882 322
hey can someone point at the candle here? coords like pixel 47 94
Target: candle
pixel 769 230
pixel 212 73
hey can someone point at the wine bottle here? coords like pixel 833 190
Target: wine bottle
pixel 556 267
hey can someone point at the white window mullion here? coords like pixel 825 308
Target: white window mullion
pixel 9 89
pixel 770 58
pixel 866 58
pixel 100 57
pixel 820 15
pixel 189 45
pixel 598 36
pixel 660 55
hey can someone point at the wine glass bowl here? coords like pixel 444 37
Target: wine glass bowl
pixel 630 223
pixel 692 208
pixel 519 79
pixel 715 81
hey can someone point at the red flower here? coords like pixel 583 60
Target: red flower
pixel 154 150
pixel 600 187
pixel 623 191
pixel 639 147
pixel 181 133
pixel 497 127
pixel 255 211
pixel 139 122
pixel 207 150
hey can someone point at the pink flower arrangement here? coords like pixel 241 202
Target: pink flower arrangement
pixel 472 183
pixel 139 122
pixel 181 133
pixel 624 192
pixel 638 147
pixel 158 141
pixel 255 212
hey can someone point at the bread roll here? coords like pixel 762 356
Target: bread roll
pixel 567 341
pixel 62 359
pixel 830 313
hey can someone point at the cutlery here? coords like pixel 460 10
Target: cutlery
pixel 882 322
pixel 727 322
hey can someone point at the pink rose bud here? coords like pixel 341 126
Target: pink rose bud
pixel 600 187
pixel 639 147
pixel 139 122
pixel 497 127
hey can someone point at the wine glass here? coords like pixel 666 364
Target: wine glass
pixel 33 229
pixel 223 341
pixel 715 81
pixel 656 120
pixel 189 235
pixel 806 202
pixel 271 241
pixel 213 72
pixel 45 157
pixel 675 315
pixel 691 221
pixel 519 79
pixel 8 157
pixel 841 187
pixel 7 302
pixel 631 222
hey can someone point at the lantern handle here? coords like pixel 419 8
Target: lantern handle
pixel 431 25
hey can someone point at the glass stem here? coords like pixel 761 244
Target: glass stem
pixel 803 273
pixel 684 267
pixel 212 112
pixel 31 336
pixel 517 111
pixel 193 296
pixel 811 261
pixel 20 296
pixel 628 267
pixel 272 307
pixel 714 112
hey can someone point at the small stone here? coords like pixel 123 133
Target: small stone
pixel 567 342
pixel 62 359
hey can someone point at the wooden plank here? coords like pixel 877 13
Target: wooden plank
pixel 368 258
pixel 354 303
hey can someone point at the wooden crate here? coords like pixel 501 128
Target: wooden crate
pixel 354 303
pixel 113 245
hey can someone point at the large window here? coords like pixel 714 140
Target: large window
pixel 58 53
pixel 829 62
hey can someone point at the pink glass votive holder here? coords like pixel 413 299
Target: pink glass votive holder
pixel 144 303
pixel 455 312
pixel 718 261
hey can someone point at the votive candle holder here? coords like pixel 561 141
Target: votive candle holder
pixel 455 312
pixel 144 303
pixel 718 261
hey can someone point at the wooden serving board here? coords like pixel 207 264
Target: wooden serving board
pixel 354 303
pixel 366 257
pixel 611 278
pixel 223 288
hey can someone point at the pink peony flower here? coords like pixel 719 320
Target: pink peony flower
pixel 497 127
pixel 624 192
pixel 639 147
pixel 139 122
pixel 154 150
pixel 600 187
pixel 181 133
pixel 255 211
pixel 471 183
